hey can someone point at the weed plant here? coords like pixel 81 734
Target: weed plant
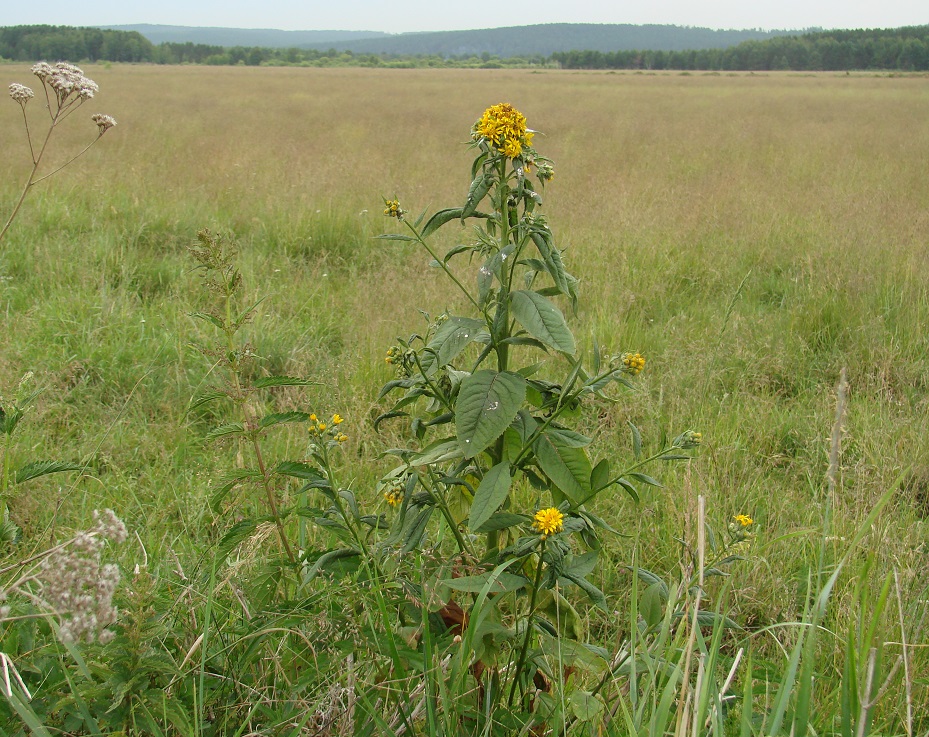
pixel 747 301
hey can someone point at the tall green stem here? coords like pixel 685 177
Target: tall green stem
pixel 525 648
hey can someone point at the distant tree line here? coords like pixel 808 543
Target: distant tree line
pixel 904 49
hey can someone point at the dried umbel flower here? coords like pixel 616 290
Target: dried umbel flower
pixel 67 79
pixel 104 122
pixel 108 525
pixel 20 93
pixel 72 584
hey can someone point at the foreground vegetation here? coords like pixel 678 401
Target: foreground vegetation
pixel 716 226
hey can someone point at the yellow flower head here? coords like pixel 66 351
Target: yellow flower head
pixel 313 417
pixel 337 419
pixel 394 496
pixel 633 363
pixel 392 209
pixel 548 521
pixel 504 128
pixel 744 520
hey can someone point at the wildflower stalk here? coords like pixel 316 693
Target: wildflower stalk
pixel 69 90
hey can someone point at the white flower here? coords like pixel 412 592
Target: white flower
pixel 20 93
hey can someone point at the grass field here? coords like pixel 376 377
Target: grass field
pixel 751 235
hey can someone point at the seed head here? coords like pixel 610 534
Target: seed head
pixel 20 93
pixel 104 122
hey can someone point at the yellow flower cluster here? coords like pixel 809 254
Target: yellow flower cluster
pixel 744 520
pixel 548 521
pixel 394 495
pixel 392 355
pixel 318 428
pixel 504 128
pixel 392 209
pixel 633 363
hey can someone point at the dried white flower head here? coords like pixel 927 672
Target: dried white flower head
pixel 110 526
pixel 104 122
pixel 43 70
pixel 20 93
pixel 66 79
pixel 77 588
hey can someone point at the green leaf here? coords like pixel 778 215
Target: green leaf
pixel 503 521
pixel 233 428
pixel 491 493
pixel 487 403
pixel 593 593
pixel 582 565
pixel 395 237
pixel 645 479
pixel 568 437
pixel 585 705
pixel 651 607
pixel 43 468
pixel 600 476
pixel 630 489
pixel 636 441
pixel 567 467
pixel 446 449
pixel 209 318
pixel 267 381
pixel 451 338
pixel 473 584
pixel 326 559
pixel 229 482
pixel 298 470
pixel 236 535
pixel 204 398
pixel 476 193
pixel 542 319
pixel 279 418
pixel 439 219
pixel 552 257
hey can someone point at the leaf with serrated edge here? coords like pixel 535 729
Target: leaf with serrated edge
pixel 487 403
pixel 542 319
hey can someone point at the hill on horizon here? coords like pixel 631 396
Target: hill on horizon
pixel 265 37
pixel 541 39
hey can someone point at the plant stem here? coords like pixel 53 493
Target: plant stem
pixel 266 482
pixel 36 160
pixel 525 648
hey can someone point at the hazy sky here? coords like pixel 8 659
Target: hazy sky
pixel 398 16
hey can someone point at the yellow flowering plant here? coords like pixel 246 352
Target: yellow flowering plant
pixel 490 397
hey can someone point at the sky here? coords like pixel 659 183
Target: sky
pixel 404 16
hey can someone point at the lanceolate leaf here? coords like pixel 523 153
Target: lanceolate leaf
pixel 234 428
pixel 477 192
pixel 487 403
pixel 542 319
pixel 282 381
pixel 439 219
pixel 43 468
pixel 491 493
pixel 568 467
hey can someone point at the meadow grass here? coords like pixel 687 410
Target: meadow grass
pixel 750 234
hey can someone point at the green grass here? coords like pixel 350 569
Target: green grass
pixel 751 236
